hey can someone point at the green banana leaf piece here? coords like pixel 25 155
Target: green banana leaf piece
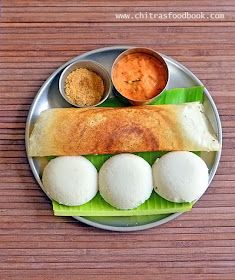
pixel 155 204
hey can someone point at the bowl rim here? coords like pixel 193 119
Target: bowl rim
pixel 106 93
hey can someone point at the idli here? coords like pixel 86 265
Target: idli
pixel 125 181
pixel 70 180
pixel 180 176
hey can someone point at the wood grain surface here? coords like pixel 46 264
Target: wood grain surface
pixel 36 37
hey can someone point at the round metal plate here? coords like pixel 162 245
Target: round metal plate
pixel 49 97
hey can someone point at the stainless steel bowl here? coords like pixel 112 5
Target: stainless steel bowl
pixel 139 50
pixel 92 66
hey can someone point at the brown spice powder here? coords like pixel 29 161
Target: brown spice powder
pixel 84 87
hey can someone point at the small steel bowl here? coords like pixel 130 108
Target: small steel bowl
pixel 139 50
pixel 92 66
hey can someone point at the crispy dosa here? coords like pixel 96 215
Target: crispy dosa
pixel 70 131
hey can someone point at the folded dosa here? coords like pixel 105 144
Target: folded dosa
pixel 70 131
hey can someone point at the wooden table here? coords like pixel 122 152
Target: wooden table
pixel 36 37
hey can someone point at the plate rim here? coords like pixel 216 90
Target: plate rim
pixel 96 224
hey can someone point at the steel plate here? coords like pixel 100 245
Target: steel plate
pixel 49 97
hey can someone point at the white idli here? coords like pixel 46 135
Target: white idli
pixel 180 176
pixel 125 181
pixel 70 180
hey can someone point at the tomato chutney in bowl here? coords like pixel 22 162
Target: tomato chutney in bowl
pixel 139 75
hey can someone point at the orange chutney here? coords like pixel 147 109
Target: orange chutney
pixel 139 76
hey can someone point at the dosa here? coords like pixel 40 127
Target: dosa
pixel 70 131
